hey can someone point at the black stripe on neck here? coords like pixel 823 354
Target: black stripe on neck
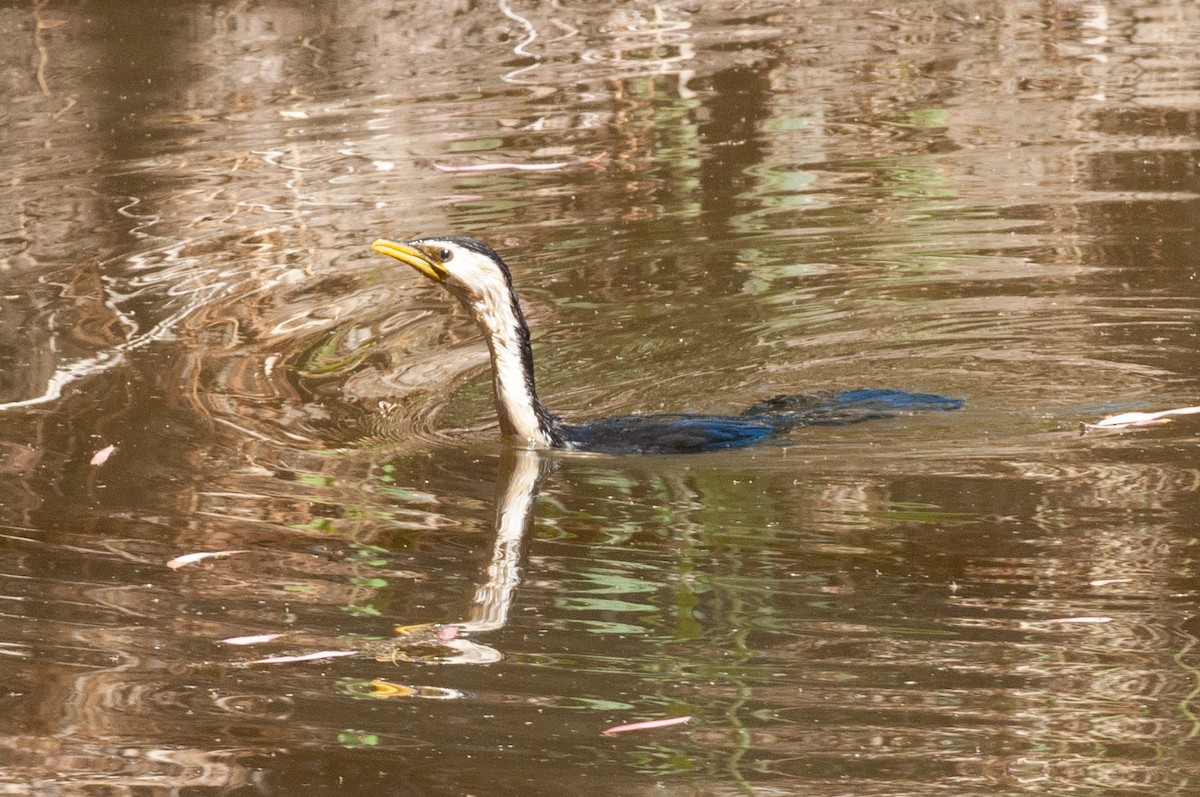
pixel 548 422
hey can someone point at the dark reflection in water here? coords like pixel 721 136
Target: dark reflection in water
pixel 732 201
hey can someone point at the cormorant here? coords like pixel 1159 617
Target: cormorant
pixel 477 276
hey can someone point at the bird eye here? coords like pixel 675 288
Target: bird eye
pixel 444 255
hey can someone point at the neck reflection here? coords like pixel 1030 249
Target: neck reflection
pixel 519 478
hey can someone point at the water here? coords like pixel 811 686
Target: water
pixel 991 201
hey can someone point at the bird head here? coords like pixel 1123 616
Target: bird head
pixel 469 269
pixel 478 278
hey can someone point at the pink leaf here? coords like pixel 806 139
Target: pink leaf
pixel 641 726
pixel 257 639
pixel 320 654
pixel 1127 419
pixel 191 558
pixel 101 456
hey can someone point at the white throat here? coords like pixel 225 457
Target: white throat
pixel 512 377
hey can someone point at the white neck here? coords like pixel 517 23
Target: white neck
pixel 512 372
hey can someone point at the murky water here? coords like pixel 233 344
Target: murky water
pixel 995 201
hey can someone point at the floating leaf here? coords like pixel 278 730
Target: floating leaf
pixel 192 558
pixel 256 639
pixel 382 688
pixel 101 456
pixel 647 725
pixel 320 654
pixel 1127 419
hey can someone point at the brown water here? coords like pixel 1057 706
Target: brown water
pixel 995 201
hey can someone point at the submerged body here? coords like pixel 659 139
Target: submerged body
pixel 479 279
pixel 686 433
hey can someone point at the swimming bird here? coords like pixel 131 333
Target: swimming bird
pixel 477 276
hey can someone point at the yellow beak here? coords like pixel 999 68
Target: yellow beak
pixel 413 257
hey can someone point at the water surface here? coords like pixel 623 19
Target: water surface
pixel 996 202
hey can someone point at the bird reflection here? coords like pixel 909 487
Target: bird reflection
pixel 518 481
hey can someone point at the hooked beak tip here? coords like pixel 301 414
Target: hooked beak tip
pixel 411 256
